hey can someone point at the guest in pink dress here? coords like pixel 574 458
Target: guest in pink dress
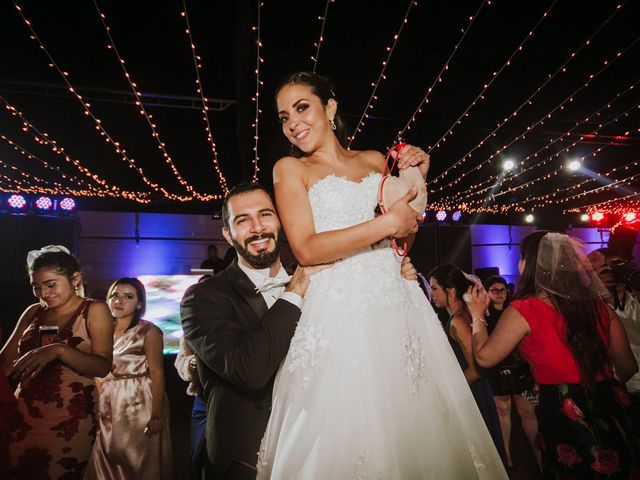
pixel 134 440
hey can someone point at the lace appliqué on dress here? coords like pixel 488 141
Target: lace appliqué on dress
pixel 360 470
pixel 308 348
pixel 415 358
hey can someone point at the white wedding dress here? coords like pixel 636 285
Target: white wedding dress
pixel 370 388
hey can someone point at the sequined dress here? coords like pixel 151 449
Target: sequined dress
pixel 122 451
pixel 370 388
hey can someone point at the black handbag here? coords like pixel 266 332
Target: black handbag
pixel 511 378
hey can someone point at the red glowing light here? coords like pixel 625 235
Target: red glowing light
pixel 597 216
pixel 630 217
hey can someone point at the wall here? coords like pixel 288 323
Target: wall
pixel 498 245
pixel 172 244
pixel 115 244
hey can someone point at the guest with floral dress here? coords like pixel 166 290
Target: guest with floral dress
pixel 579 354
pixel 57 348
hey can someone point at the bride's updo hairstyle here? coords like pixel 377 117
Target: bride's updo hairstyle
pixel 321 87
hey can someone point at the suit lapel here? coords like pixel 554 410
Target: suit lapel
pixel 245 287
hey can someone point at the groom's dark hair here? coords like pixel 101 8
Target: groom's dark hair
pixel 242 187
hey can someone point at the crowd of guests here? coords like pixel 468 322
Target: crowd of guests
pixel 89 398
pixel 561 348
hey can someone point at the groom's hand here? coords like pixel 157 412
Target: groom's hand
pixel 300 280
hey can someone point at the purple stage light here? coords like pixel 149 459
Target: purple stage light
pixel 17 202
pixel 44 203
pixel 67 204
pixel 441 216
pixel 456 216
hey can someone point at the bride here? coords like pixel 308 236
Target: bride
pixel 370 387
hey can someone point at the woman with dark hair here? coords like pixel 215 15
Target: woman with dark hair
pixel 578 351
pixel 134 441
pixel 57 348
pixel 511 379
pixel 448 284
pixel 365 389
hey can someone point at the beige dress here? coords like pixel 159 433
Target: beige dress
pixel 122 450
pixel 53 430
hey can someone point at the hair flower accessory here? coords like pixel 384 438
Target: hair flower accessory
pixel 33 254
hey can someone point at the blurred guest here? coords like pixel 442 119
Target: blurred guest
pixel 7 408
pixel 187 367
pixel 448 284
pixel 134 441
pixel 212 262
pixel 57 348
pixel 614 271
pixel 574 343
pixel 511 379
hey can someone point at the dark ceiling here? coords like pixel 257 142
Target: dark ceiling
pixel 539 82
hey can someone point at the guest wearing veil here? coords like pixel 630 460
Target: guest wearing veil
pixel 134 441
pixel 579 353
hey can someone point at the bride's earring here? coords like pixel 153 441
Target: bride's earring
pixel 333 124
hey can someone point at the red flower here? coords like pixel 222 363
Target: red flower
pixel 567 454
pixel 606 462
pixel 571 410
pixel 621 396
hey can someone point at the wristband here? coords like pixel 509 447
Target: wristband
pixel 475 325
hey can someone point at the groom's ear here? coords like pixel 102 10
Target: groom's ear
pixel 227 235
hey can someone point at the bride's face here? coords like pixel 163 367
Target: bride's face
pixel 305 120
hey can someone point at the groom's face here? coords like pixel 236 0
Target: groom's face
pixel 254 228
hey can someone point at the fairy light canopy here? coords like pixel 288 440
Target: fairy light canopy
pixel 88 97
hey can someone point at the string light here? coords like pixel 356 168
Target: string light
pixel 148 117
pixel 476 189
pixel 557 154
pixel 22 151
pixel 97 122
pixel 486 86
pixel 197 59
pixel 439 77
pixel 581 159
pixel 540 121
pixel 321 38
pixel 382 76
pixel 45 139
pixel 256 98
pixel 529 100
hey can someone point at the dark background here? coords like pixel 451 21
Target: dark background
pixel 151 37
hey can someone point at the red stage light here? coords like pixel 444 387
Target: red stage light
pixel 630 217
pixel 597 216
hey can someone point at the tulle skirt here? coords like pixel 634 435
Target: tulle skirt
pixel 370 387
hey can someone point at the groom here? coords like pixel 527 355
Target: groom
pixel 240 323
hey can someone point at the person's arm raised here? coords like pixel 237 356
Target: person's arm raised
pixel 312 248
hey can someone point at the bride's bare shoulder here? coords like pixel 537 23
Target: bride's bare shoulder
pixel 372 158
pixel 287 167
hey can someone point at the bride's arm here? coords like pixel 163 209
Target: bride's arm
pixel 311 248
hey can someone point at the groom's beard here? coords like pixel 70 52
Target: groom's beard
pixel 263 259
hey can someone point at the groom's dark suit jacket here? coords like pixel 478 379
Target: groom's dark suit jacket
pixel 239 345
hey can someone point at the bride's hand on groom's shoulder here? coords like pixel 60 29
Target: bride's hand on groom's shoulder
pixel 301 276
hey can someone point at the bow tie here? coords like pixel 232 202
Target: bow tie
pixel 273 282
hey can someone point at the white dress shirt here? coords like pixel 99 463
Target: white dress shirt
pixel 261 276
